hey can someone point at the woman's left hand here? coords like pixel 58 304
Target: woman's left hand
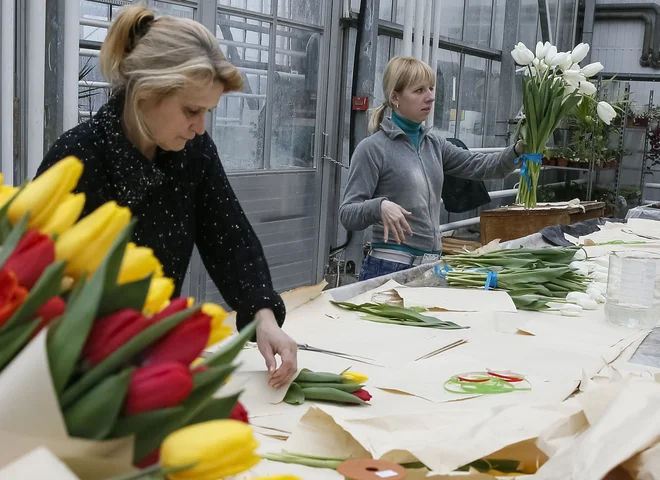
pixel 272 341
pixel 519 149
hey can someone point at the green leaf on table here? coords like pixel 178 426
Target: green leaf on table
pixel 345 387
pixel 12 240
pixel 294 395
pixel 94 414
pixel 331 395
pixel 228 352
pixel 47 286
pixel 128 295
pixel 144 421
pixel 216 409
pixel 123 354
pixel 12 341
pixel 308 376
pixel 68 338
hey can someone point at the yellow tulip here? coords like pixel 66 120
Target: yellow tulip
pixel 286 476
pixel 138 263
pixel 355 377
pixel 219 331
pixel 158 297
pixel 219 448
pixel 6 192
pixel 65 215
pixel 85 244
pixel 42 196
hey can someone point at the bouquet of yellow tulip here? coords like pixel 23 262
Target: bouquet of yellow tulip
pixel 120 352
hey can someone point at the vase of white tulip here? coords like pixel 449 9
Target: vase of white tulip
pixel 554 83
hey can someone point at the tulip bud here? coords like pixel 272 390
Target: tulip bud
pixel 138 263
pixel 111 332
pixel 160 291
pixel 174 306
pixel 42 196
pixel 49 311
pixel 355 377
pixel 6 192
pixel 219 448
pixel 85 244
pixel 149 460
pixel 34 252
pixel 605 112
pixel 65 215
pixel 579 52
pixel 12 295
pixel 219 331
pixel 522 55
pixel 239 413
pixel 158 386
pixel 362 394
pixel 184 343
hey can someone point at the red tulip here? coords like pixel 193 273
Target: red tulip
pixel 239 413
pixel 111 332
pixel 363 395
pixel 34 252
pixel 49 311
pixel 149 460
pixel 12 295
pixel 158 386
pixel 184 343
pixel 176 305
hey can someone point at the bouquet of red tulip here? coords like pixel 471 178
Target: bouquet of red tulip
pixel 123 359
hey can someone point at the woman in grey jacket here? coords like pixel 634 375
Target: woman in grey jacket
pixel 396 174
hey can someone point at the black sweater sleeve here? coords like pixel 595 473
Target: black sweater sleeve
pixel 232 253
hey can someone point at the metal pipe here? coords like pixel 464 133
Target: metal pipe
pixel 70 69
pixel 36 65
pixel 435 51
pixel 419 29
pixel 408 19
pixel 652 185
pixel 282 51
pixel 91 22
pixel 7 32
pixel 88 52
pixel 428 16
pixel 88 83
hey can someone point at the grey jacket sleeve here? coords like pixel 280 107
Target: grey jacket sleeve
pixel 359 209
pixel 476 166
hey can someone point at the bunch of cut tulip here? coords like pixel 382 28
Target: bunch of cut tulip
pixel 345 388
pixel 123 355
pixel 532 277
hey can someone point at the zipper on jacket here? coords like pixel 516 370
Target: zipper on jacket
pixel 428 190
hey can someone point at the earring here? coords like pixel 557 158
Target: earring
pixel 396 105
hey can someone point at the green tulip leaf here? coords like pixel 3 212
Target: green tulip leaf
pixel 216 409
pixel 308 376
pixel 15 339
pixel 128 295
pixel 5 225
pixel 331 395
pixel 144 421
pixel 12 240
pixel 95 413
pixel 232 348
pixel 294 395
pixel 212 375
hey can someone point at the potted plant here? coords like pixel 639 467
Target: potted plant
pixel 636 117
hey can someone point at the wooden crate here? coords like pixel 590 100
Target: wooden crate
pixel 507 223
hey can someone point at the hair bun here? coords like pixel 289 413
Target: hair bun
pixel 139 30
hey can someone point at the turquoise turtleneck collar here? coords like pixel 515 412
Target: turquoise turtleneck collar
pixel 409 127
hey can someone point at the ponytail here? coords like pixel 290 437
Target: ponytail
pixel 132 23
pixel 376 118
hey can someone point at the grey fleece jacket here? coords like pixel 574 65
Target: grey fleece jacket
pixel 386 166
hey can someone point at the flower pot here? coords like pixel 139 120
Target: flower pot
pixel 610 164
pixel 640 122
pixel 562 162
pixel 552 161
pixel 545 161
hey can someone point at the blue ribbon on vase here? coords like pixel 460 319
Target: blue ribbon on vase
pixel 524 170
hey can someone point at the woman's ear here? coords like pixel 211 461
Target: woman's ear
pixel 394 99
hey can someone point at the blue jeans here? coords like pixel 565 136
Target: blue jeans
pixel 377 267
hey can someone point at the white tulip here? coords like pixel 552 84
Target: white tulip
pixel 550 55
pixel 592 69
pixel 522 55
pixel 579 52
pixel 588 303
pixel 569 88
pixel 587 88
pixel 606 112
pixel 573 77
pixel 542 49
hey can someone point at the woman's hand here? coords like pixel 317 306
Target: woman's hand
pixel 519 149
pixel 394 220
pixel 272 341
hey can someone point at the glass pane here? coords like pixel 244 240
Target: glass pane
pixel 478 22
pixel 93 11
pixel 383 56
pixel 308 11
pixel 446 93
pixel 473 101
pixel 294 97
pixel 239 122
pixel 490 140
pixel 261 6
pixel 451 18
pixel 91 95
pixel 385 10
pixel 181 11
pixel 498 24
pixel 529 23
